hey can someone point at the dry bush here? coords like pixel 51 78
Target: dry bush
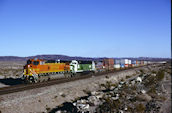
pixel 140 108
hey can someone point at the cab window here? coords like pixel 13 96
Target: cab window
pixel 35 62
pixel 29 62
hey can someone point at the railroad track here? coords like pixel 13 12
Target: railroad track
pixel 22 87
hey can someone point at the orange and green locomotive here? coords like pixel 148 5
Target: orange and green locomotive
pixel 38 70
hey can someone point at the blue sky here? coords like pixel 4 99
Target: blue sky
pixel 91 28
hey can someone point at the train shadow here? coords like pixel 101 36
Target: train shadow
pixel 11 81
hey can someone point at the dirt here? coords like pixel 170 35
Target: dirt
pixel 39 100
pixel 47 98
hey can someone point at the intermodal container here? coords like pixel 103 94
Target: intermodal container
pixel 124 61
pixel 108 63
pixel 145 62
pixel 116 66
pixel 142 62
pixel 134 65
pixel 133 62
pixel 138 62
pixel 99 65
pixel 126 65
pixel 129 61
pixel 117 61
pixel 122 65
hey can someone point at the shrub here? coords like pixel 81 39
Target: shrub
pixel 127 77
pixel 141 71
pixel 140 108
pixel 160 75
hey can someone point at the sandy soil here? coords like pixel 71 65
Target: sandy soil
pixel 46 98
pixel 39 100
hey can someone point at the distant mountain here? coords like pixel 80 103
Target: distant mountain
pixel 12 58
pixel 68 58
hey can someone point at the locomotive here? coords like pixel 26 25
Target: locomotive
pixel 37 70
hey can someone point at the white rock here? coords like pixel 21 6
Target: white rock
pixel 82 101
pixel 143 91
pixel 117 95
pixel 133 82
pixel 119 86
pixel 87 106
pixel 139 79
pixel 2 77
pixel 74 104
pixel 120 111
pixel 99 96
pixel 121 82
pixel 60 93
pixel 112 87
pixel 153 74
pixel 93 93
pixel 58 111
pixel 115 98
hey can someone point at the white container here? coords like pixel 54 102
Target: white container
pixel 129 61
pixel 145 62
pixel 124 61
pixel 117 66
pixel 117 61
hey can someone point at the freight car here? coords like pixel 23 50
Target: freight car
pixel 108 64
pixel 99 66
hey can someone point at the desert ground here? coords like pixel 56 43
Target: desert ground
pixel 144 89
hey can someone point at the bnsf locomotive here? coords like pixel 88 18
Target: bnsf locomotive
pixel 38 70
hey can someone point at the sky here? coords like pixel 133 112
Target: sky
pixel 88 28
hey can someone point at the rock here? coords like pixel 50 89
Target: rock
pixel 143 91
pixel 117 95
pixel 58 111
pixel 154 75
pixel 2 77
pixel 115 98
pixel 93 100
pixel 74 104
pixel 112 87
pixel 83 101
pixel 139 79
pixel 144 97
pixel 133 82
pixel 120 111
pixel 99 95
pixel 60 93
pixel 119 86
pixel 86 107
pixel 115 90
pixel 121 82
pixel 93 93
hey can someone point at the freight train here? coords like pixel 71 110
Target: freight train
pixel 38 70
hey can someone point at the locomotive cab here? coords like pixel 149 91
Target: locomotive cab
pixel 30 70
